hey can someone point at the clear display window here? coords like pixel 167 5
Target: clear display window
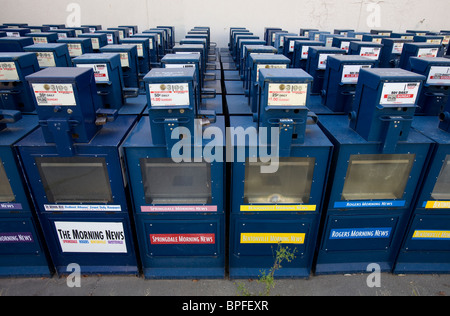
pixel 169 183
pixel 377 177
pixel 442 188
pixel 75 180
pixel 290 184
pixel 6 192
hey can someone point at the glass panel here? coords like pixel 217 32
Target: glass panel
pixel 377 177
pixel 442 189
pixel 6 193
pixel 290 184
pixel 170 183
pixel 75 180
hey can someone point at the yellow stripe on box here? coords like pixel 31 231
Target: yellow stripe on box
pixel 278 208
pixel 274 238
pixel 431 234
pixel 437 205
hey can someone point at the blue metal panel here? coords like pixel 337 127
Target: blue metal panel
pixel 78 46
pixel 129 62
pixel 434 95
pixel 417 50
pixel 317 64
pixel 19 98
pixel 51 55
pixel 14 44
pixel 45 37
pixel 183 240
pixel 371 230
pixel 301 49
pixel 112 36
pixel 21 242
pixel 98 40
pixel 258 62
pixel 392 51
pixel 69 225
pixel 152 44
pixel 259 221
pixel 108 77
pixel 425 246
pixel 341 77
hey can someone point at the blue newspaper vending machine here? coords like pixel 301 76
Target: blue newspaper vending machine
pixel 22 251
pixel 376 170
pixel 177 180
pixel 426 246
pixel 435 92
pixel 276 197
pixel 110 83
pixel 74 166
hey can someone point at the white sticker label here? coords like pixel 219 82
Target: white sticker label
pixel 12 34
pixel 92 29
pixel 62 35
pixel 371 52
pixel 377 40
pixel 75 49
pixel 435 41
pixel 176 94
pixel 187 53
pixel 329 41
pixel 8 71
pixel 150 43
pixel 291 46
pixel 400 93
pixel 180 66
pixel 39 40
pixel 287 94
pixel 46 59
pixel 110 38
pixel 259 66
pixel 439 76
pixel 78 32
pixel 140 50
pixel 446 40
pixel 124 60
pixel 95 43
pixel 82 237
pixel 350 73
pixel 305 52
pixel 398 48
pixel 82 208
pixel 408 37
pixel 345 46
pixel 54 94
pixel 428 52
pixel 323 60
pixel 100 71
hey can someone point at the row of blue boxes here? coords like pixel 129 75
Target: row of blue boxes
pixel 195 170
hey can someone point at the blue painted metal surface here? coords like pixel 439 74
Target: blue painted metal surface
pixel 282 207
pixel 179 206
pixel 73 164
pixel 376 172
